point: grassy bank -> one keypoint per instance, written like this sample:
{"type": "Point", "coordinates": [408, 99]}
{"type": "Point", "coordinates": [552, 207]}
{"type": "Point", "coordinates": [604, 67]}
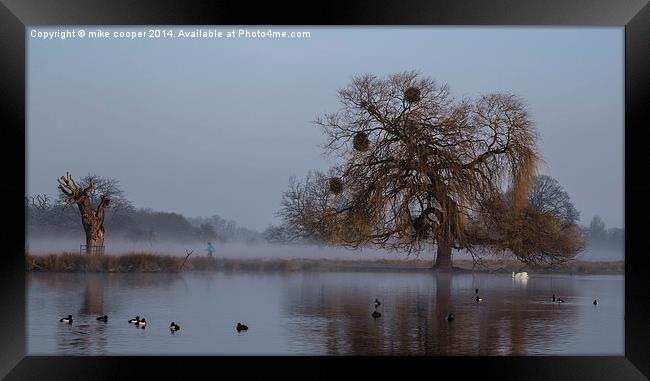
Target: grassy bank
{"type": "Point", "coordinates": [155, 263]}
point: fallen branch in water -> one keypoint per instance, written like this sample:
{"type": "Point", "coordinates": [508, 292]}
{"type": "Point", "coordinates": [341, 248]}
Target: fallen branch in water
{"type": "Point", "coordinates": [188, 255]}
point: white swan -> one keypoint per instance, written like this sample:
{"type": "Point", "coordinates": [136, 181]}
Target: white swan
{"type": "Point", "coordinates": [522, 275]}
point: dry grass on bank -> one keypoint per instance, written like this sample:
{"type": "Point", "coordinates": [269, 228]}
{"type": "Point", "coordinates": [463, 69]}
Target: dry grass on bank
{"type": "Point", "coordinates": [156, 263]}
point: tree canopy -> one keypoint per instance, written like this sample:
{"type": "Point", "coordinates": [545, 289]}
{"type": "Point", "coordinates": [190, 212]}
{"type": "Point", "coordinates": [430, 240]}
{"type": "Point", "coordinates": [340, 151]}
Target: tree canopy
{"type": "Point", "coordinates": [417, 167]}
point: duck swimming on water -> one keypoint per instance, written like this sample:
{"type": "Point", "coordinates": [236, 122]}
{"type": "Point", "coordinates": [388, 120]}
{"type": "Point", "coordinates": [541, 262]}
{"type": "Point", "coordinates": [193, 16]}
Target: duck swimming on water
{"type": "Point", "coordinates": [241, 327]}
{"type": "Point", "coordinates": [142, 323]}
{"type": "Point", "coordinates": [103, 318]}
{"type": "Point", "coordinates": [450, 317]}
{"type": "Point", "coordinates": [135, 320]}
{"type": "Point", "coordinates": [479, 299]}
{"type": "Point", "coordinates": [67, 320]}
{"type": "Point", "coordinates": [376, 314]}
{"type": "Point", "coordinates": [174, 327]}
{"type": "Point", "coordinates": [377, 303]}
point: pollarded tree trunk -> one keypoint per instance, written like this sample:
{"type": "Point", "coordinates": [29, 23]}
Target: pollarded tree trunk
{"type": "Point", "coordinates": [93, 223]}
{"type": "Point", "coordinates": [443, 257]}
{"type": "Point", "coordinates": [92, 218]}
{"type": "Point", "coordinates": [94, 235]}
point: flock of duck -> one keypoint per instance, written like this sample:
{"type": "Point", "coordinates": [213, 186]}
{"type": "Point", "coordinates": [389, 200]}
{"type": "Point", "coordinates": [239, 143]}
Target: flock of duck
{"type": "Point", "coordinates": [142, 323]}
{"type": "Point", "coordinates": [173, 327]}
{"type": "Point", "coordinates": [450, 317]}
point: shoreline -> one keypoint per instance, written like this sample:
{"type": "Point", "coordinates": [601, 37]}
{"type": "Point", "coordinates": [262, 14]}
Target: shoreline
{"type": "Point", "coordinates": [144, 262]}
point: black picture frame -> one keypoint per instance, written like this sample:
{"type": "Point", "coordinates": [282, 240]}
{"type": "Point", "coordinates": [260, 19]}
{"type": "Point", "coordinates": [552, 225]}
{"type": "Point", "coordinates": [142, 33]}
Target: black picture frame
{"type": "Point", "coordinates": [16, 15]}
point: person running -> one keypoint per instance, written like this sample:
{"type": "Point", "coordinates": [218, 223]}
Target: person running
{"type": "Point", "coordinates": [210, 249]}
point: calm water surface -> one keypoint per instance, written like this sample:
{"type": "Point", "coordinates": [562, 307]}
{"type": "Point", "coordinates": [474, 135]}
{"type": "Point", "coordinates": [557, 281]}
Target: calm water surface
{"type": "Point", "coordinates": [325, 314]}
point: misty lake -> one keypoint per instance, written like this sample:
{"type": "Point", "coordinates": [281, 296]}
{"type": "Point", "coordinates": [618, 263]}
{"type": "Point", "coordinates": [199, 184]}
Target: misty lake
{"type": "Point", "coordinates": [327, 313]}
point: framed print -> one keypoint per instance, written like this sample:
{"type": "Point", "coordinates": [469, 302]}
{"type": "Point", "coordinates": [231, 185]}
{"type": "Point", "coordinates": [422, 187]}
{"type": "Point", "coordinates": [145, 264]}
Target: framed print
{"type": "Point", "coordinates": [379, 187]}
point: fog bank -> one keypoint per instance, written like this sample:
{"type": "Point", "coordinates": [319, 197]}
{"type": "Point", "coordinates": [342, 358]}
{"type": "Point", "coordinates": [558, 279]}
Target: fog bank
{"type": "Point", "coordinates": [41, 246]}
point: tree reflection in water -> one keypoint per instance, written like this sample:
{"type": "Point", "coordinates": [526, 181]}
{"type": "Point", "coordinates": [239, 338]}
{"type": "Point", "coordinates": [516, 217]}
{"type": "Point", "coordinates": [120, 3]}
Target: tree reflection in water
{"type": "Point", "coordinates": [86, 335]}
{"type": "Point", "coordinates": [335, 315]}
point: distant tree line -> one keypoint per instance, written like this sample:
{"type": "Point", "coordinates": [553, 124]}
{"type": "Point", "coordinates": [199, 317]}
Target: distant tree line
{"type": "Point", "coordinates": [598, 236]}
{"type": "Point", "coordinates": [286, 233]}
{"type": "Point", "coordinates": [227, 230]}
{"type": "Point", "coordinates": [49, 216]}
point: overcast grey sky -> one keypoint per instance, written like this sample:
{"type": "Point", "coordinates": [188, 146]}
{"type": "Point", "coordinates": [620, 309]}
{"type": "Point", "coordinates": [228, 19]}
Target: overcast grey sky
{"type": "Point", "coordinates": [217, 126]}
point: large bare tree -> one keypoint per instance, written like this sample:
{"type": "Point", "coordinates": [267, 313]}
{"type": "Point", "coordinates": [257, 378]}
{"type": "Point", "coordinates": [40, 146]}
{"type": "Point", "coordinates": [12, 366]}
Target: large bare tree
{"type": "Point", "coordinates": [418, 168]}
{"type": "Point", "coordinates": [92, 217]}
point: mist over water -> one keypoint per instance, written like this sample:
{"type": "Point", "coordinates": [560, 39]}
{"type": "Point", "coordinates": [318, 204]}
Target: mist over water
{"type": "Point", "coordinates": [241, 250]}
{"type": "Point", "coordinates": [263, 250]}
{"type": "Point", "coordinates": [601, 254]}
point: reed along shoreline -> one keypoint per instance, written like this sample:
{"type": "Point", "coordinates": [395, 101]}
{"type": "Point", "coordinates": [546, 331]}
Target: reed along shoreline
{"type": "Point", "coordinates": [145, 262]}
